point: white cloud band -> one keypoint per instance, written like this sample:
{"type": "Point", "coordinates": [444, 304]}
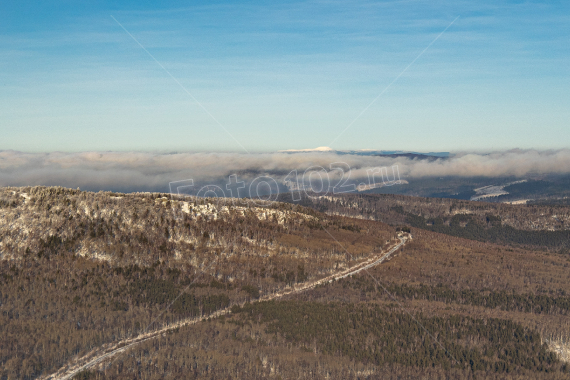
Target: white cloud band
{"type": "Point", "coordinates": [138, 171]}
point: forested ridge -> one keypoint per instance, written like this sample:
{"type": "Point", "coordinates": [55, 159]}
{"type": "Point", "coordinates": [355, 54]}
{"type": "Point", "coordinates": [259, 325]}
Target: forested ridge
{"type": "Point", "coordinates": [80, 270]}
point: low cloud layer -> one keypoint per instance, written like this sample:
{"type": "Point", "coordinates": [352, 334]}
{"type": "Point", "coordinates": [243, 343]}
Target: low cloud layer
{"type": "Point", "coordinates": [135, 171]}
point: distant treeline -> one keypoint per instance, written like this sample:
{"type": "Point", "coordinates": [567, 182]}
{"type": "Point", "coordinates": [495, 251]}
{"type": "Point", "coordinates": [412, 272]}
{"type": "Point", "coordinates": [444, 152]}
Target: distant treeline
{"type": "Point", "coordinates": [467, 227]}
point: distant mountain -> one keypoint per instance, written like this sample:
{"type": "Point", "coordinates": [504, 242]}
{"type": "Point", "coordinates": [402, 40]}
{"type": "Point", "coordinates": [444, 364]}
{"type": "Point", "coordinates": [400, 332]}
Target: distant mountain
{"type": "Point", "coordinates": [418, 156]}
{"type": "Point", "coordinates": [319, 149]}
{"type": "Point", "coordinates": [372, 152]}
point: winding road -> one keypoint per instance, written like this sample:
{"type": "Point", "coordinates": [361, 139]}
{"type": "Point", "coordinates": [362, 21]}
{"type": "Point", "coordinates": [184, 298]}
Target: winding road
{"type": "Point", "coordinates": [107, 351]}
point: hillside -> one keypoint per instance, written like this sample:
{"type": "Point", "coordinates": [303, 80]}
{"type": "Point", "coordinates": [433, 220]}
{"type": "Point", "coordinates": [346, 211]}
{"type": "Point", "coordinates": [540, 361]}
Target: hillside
{"type": "Point", "coordinates": [105, 265]}
{"type": "Point", "coordinates": [93, 273]}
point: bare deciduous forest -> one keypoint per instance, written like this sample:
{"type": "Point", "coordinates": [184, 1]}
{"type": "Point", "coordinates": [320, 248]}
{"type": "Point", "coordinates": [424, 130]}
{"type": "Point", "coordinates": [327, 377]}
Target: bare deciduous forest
{"type": "Point", "coordinates": [81, 270]}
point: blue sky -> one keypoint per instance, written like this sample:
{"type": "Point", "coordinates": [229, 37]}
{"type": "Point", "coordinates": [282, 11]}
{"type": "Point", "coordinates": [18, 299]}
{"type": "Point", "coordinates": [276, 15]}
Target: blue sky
{"type": "Point", "coordinates": [283, 76]}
